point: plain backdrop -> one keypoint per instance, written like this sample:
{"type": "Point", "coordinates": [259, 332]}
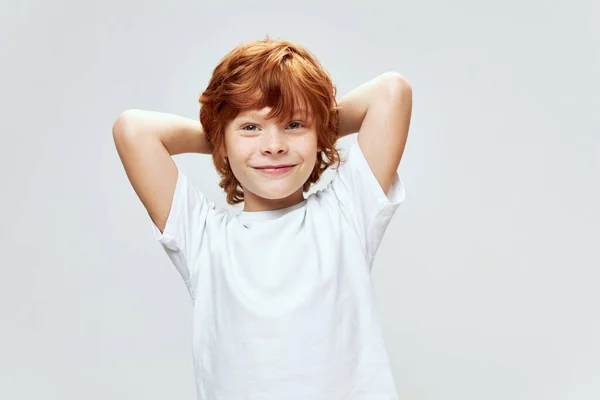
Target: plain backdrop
{"type": "Point", "coordinates": [487, 279]}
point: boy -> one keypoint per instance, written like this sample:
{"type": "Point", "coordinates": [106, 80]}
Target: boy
{"type": "Point", "coordinates": [283, 301]}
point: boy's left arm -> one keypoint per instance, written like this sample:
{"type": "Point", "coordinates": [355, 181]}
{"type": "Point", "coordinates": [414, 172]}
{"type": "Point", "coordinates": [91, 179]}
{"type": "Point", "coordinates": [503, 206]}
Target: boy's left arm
{"type": "Point", "coordinates": [380, 110]}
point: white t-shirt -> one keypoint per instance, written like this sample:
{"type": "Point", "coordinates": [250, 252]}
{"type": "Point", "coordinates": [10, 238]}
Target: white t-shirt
{"type": "Point", "coordinates": [283, 299]}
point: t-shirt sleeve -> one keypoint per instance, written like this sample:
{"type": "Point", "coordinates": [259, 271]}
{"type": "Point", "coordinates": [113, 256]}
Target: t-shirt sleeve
{"type": "Point", "coordinates": [362, 200]}
{"type": "Point", "coordinates": [182, 238]}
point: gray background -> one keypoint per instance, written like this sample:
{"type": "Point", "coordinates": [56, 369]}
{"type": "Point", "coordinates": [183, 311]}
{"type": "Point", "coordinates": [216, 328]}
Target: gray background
{"type": "Point", "coordinates": [487, 278]}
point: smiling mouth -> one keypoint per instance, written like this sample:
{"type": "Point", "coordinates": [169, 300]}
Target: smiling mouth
{"type": "Point", "coordinates": [275, 171]}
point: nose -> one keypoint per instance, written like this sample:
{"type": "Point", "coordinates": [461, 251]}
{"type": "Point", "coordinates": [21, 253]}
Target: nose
{"type": "Point", "coordinates": [275, 142]}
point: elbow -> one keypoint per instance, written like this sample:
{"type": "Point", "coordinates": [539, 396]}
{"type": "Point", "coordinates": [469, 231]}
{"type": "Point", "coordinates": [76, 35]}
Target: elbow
{"type": "Point", "coordinates": [395, 78]}
{"type": "Point", "coordinates": [118, 128]}
{"type": "Point", "coordinates": [396, 84]}
{"type": "Point", "coordinates": [122, 124]}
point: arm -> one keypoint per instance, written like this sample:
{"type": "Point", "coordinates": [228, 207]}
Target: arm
{"type": "Point", "coordinates": [145, 141]}
{"type": "Point", "coordinates": [178, 134]}
{"type": "Point", "coordinates": [380, 110]}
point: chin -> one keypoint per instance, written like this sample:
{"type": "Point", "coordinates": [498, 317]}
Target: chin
{"type": "Point", "coordinates": [274, 190]}
{"type": "Point", "coordinates": [275, 194]}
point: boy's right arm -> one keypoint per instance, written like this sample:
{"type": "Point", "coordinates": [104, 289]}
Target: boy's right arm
{"type": "Point", "coordinates": [145, 141]}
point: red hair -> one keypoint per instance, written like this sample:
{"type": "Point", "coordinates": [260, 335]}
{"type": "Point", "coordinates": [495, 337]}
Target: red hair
{"type": "Point", "coordinates": [276, 74]}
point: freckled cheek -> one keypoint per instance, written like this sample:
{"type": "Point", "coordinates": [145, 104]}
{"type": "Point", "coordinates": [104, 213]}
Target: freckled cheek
{"type": "Point", "coordinates": [305, 142]}
{"type": "Point", "coordinates": [240, 153]}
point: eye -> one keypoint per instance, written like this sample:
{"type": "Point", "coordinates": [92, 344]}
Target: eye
{"type": "Point", "coordinates": [297, 122]}
{"type": "Point", "coordinates": [250, 125]}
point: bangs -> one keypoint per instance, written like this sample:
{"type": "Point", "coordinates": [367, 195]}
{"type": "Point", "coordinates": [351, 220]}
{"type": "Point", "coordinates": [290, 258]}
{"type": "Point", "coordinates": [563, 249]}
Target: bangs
{"type": "Point", "coordinates": [287, 90]}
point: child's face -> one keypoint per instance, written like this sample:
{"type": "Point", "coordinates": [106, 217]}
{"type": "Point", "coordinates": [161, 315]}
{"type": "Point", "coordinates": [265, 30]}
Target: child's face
{"type": "Point", "coordinates": [252, 142]}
